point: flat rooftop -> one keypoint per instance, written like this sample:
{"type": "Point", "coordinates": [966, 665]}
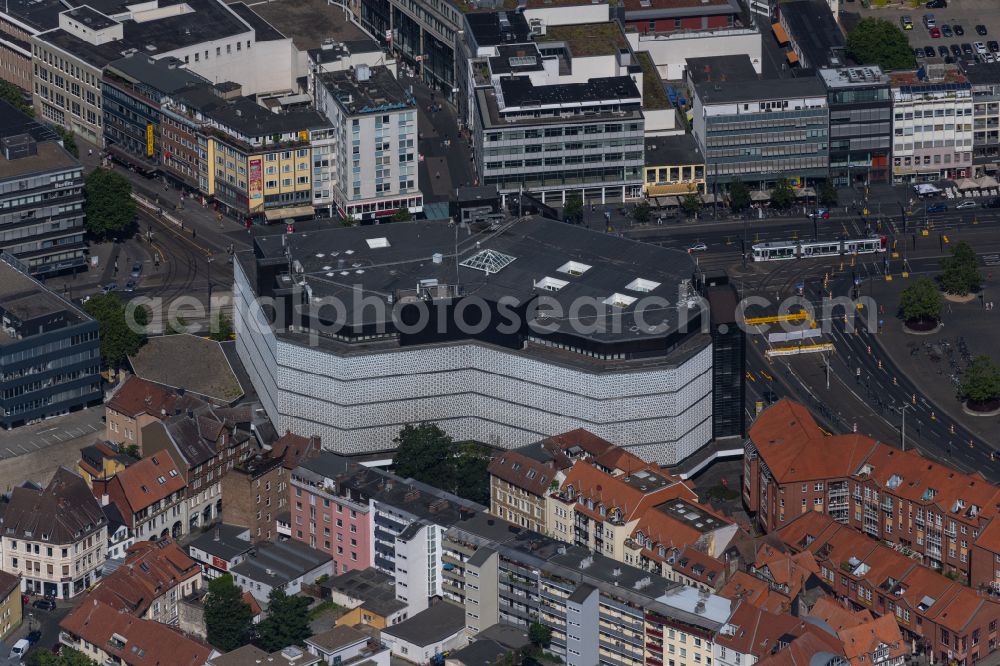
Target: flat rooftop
{"type": "Point", "coordinates": [167, 360]}
{"type": "Point", "coordinates": [379, 93]}
{"type": "Point", "coordinates": [308, 22]}
{"type": "Point", "coordinates": [721, 68]}
{"type": "Point", "coordinates": [586, 39]}
{"type": "Point", "coordinates": [524, 260]}
{"type": "Point", "coordinates": [264, 31]}
{"type": "Point", "coordinates": [91, 18]}
{"type": "Point", "coordinates": [245, 116]}
{"type": "Point", "coordinates": [868, 76]}
{"type": "Point", "coordinates": [673, 150]}
{"type": "Point", "coordinates": [280, 562]}
{"type": "Point", "coordinates": [690, 514]}
{"type": "Point", "coordinates": [814, 30]}
{"type": "Point", "coordinates": [519, 91]}
{"type": "Point", "coordinates": [24, 298]}
{"type": "Point", "coordinates": [494, 28]}
{"type": "Point", "coordinates": [636, 10]}
{"type": "Point", "coordinates": [166, 74]}
{"type": "Point", "coordinates": [724, 92]}
{"type": "Point", "coordinates": [51, 157]}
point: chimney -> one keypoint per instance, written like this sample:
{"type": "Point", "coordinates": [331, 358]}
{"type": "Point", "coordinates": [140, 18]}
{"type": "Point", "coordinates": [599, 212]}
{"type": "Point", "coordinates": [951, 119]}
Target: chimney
{"type": "Point", "coordinates": [105, 499]}
{"type": "Point", "coordinates": [218, 530]}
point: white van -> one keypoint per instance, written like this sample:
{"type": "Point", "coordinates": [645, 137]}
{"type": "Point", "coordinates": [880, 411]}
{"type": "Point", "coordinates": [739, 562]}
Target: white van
{"type": "Point", "coordinates": [20, 647]}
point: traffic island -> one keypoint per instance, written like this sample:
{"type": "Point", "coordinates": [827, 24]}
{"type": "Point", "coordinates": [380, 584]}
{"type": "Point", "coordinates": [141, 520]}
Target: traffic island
{"type": "Point", "coordinates": [922, 326]}
{"type": "Point", "coordinates": [988, 408]}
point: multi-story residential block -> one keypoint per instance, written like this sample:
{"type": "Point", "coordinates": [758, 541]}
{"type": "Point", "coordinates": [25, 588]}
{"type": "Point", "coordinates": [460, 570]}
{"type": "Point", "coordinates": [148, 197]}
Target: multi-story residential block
{"type": "Point", "coordinates": [19, 20]}
{"type": "Point", "coordinates": [205, 444]}
{"type": "Point", "coordinates": [860, 124]}
{"type": "Point", "coordinates": [10, 604]}
{"type": "Point", "coordinates": [150, 497]}
{"type": "Point", "coordinates": [374, 160]}
{"type": "Point", "coordinates": [326, 521]}
{"type": "Point", "coordinates": [926, 509]}
{"type": "Point", "coordinates": [256, 491]}
{"type": "Point", "coordinates": [54, 538]}
{"type": "Point", "coordinates": [521, 479]}
{"type": "Point", "coordinates": [938, 615]}
{"type": "Point", "coordinates": [102, 460]}
{"type": "Point", "coordinates": [108, 636]}
{"type": "Point", "coordinates": [407, 520]}
{"type": "Point", "coordinates": [151, 582]}
{"type": "Point", "coordinates": [49, 350]}
{"type": "Point", "coordinates": [599, 610]}
{"type": "Point", "coordinates": [255, 162]}
{"type": "Point", "coordinates": [761, 130]}
{"type": "Point", "coordinates": [985, 81]}
{"type": "Point", "coordinates": [209, 37]}
{"type": "Point", "coordinates": [932, 125]}
{"type": "Point", "coordinates": [136, 403]}
{"type": "Point", "coordinates": [133, 89]}
{"type": "Point", "coordinates": [543, 379]}
{"type": "Point", "coordinates": [41, 196]}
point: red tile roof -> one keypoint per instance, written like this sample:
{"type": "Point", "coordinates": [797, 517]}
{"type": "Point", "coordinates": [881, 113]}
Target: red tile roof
{"type": "Point", "coordinates": [138, 396]}
{"type": "Point", "coordinates": [523, 472]}
{"type": "Point", "coordinates": [252, 603]}
{"type": "Point", "coordinates": [752, 630]}
{"type": "Point", "coordinates": [148, 481]}
{"type": "Point", "coordinates": [614, 492]}
{"type": "Point", "coordinates": [837, 616]}
{"type": "Point", "coordinates": [802, 651]}
{"type": "Point", "coordinates": [291, 448]}
{"type": "Point", "coordinates": [146, 643]}
{"type": "Point", "coordinates": [700, 567]}
{"type": "Point", "coordinates": [151, 569]}
{"type": "Point", "coordinates": [861, 642]}
{"type": "Point", "coordinates": [754, 591]}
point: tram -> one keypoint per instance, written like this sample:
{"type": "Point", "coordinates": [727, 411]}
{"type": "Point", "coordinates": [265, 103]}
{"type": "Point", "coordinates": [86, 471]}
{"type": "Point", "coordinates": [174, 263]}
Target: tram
{"type": "Point", "coordinates": [780, 250]}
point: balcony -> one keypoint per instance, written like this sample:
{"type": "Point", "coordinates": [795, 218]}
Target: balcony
{"type": "Point", "coordinates": [652, 631]}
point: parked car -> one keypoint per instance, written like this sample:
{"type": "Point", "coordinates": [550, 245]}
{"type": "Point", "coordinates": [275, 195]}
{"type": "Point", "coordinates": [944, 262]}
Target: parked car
{"type": "Point", "coordinates": [130, 286]}
{"type": "Point", "coordinates": [943, 51]}
{"type": "Point", "coordinates": [109, 287]}
{"type": "Point", "coordinates": [967, 48]}
{"type": "Point", "coordinates": [993, 46]}
{"type": "Point", "coordinates": [136, 269]}
{"type": "Point", "coordinates": [958, 30]}
{"type": "Point", "coordinates": [937, 208]}
{"type": "Point", "coordinates": [981, 30]}
{"type": "Point", "coordinates": [821, 213]}
{"type": "Point", "coordinates": [918, 52]}
{"type": "Point", "coordinates": [698, 247]}
{"type": "Point", "coordinates": [966, 205]}
{"type": "Point", "coordinates": [929, 51]}
{"type": "Point", "coordinates": [988, 57]}
{"type": "Point", "coordinates": [980, 47]}
{"type": "Point", "coordinates": [44, 604]}
{"type": "Point", "coordinates": [34, 636]}
{"type": "Point", "coordinates": [956, 50]}
{"type": "Point", "coordinates": [19, 649]}
{"type": "Point", "coordinates": [906, 22]}
{"type": "Point", "coordinates": [936, 4]}
{"type": "Point", "coordinates": [929, 21]}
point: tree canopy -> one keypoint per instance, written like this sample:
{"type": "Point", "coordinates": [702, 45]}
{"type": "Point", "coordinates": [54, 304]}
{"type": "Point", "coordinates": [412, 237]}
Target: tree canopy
{"type": "Point", "coordinates": [981, 380]}
{"type": "Point", "coordinates": [228, 619]}
{"type": "Point", "coordinates": [119, 338]}
{"type": "Point", "coordinates": [641, 213]}
{"type": "Point", "coordinates": [287, 621]}
{"type": "Point", "coordinates": [783, 194]}
{"type": "Point", "coordinates": [68, 139]}
{"type": "Point", "coordinates": [828, 193]}
{"type": "Point", "coordinates": [427, 453]}
{"type": "Point", "coordinates": [691, 203]}
{"type": "Point", "coordinates": [66, 657]}
{"type": "Point", "coordinates": [875, 41]}
{"type": "Point", "coordinates": [539, 634]}
{"type": "Point", "coordinates": [573, 210]}
{"type": "Point", "coordinates": [960, 272]}
{"type": "Point", "coordinates": [402, 215]}
{"type": "Point", "coordinates": [15, 97]}
{"type": "Point", "coordinates": [920, 301]}
{"type": "Point", "coordinates": [739, 196]}
{"type": "Point", "coordinates": [108, 204]}
{"type": "Point", "coordinates": [223, 331]}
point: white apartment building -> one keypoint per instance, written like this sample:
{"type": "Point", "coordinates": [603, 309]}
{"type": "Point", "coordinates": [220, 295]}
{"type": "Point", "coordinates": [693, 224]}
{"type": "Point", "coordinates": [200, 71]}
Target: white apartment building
{"type": "Point", "coordinates": [932, 125]}
{"type": "Point", "coordinates": [373, 167]}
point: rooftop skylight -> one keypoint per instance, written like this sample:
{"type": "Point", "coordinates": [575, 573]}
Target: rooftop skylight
{"type": "Point", "coordinates": [488, 261]}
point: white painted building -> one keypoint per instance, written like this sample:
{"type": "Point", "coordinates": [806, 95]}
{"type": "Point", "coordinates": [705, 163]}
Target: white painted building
{"type": "Point", "coordinates": [670, 50]}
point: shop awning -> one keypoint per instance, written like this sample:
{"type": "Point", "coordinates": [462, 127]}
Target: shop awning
{"type": "Point", "coordinates": [805, 193]}
{"type": "Point", "coordinates": [793, 58]}
{"type": "Point", "coordinates": [760, 195]}
{"type": "Point", "coordinates": [779, 33]}
{"type": "Point", "coordinates": [668, 189]}
{"type": "Point", "coordinates": [287, 213]}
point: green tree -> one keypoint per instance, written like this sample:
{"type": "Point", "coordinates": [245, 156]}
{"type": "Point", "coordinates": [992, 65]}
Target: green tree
{"type": "Point", "coordinates": [15, 97]}
{"type": "Point", "coordinates": [223, 331]}
{"type": "Point", "coordinates": [640, 213]}
{"type": "Point", "coordinates": [428, 454]}
{"type": "Point", "coordinates": [739, 196]}
{"type": "Point", "coordinates": [228, 619]}
{"type": "Point", "coordinates": [960, 272]}
{"type": "Point", "coordinates": [981, 380]}
{"type": "Point", "coordinates": [119, 337]}
{"type": "Point", "coordinates": [402, 215]}
{"type": "Point", "coordinates": [875, 41]}
{"type": "Point", "coordinates": [132, 450]}
{"type": "Point", "coordinates": [348, 220]}
{"type": "Point", "coordinates": [108, 204]}
{"type": "Point", "coordinates": [178, 325]}
{"type": "Point", "coordinates": [66, 657]}
{"type": "Point", "coordinates": [920, 301]}
{"type": "Point", "coordinates": [539, 634]}
{"type": "Point", "coordinates": [287, 621]}
{"type": "Point", "coordinates": [828, 193]}
{"type": "Point", "coordinates": [783, 194]}
{"type": "Point", "coordinates": [573, 209]}
{"type": "Point", "coordinates": [68, 139]}
{"type": "Point", "coordinates": [691, 203]}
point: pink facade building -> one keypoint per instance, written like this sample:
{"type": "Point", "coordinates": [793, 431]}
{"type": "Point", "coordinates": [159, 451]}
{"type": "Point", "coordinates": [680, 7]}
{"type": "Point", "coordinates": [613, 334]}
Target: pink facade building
{"type": "Point", "coordinates": [319, 518]}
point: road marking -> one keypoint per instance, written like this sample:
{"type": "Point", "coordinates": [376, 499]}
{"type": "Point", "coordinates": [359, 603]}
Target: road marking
{"type": "Point", "coordinates": [35, 444]}
{"type": "Point", "coordinates": [23, 449]}
{"type": "Point", "coordinates": [48, 430]}
{"type": "Point", "coordinates": [58, 438]}
{"type": "Point", "coordinates": [11, 451]}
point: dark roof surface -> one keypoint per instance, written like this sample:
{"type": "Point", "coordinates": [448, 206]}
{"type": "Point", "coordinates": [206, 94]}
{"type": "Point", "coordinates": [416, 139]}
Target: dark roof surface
{"type": "Point", "coordinates": [671, 150]}
{"type": "Point", "coordinates": [430, 626]}
{"type": "Point", "coordinates": [379, 93]}
{"type": "Point", "coordinates": [520, 91]}
{"type": "Point", "coordinates": [493, 28]}
{"type": "Point", "coordinates": [721, 68]}
{"type": "Point", "coordinates": [376, 589]}
{"type": "Point", "coordinates": [264, 31]}
{"type": "Point", "coordinates": [164, 75]}
{"type": "Point", "coordinates": [716, 92]}
{"type": "Point", "coordinates": [814, 30]}
{"type": "Point", "coordinates": [285, 560]}
{"type": "Point", "coordinates": [223, 541]}
{"type": "Point", "coordinates": [63, 513]}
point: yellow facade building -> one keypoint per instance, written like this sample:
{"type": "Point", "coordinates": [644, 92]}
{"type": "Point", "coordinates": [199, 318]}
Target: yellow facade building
{"type": "Point", "coordinates": [674, 166]}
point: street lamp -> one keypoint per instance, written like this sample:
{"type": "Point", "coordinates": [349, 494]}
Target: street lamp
{"type": "Point", "coordinates": [902, 428]}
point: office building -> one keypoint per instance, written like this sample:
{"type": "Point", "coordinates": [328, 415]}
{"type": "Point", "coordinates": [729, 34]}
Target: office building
{"type": "Point", "coordinates": [932, 121]}
{"type": "Point", "coordinates": [207, 36]}
{"type": "Point", "coordinates": [647, 387]}
{"type": "Point", "coordinates": [860, 124]}
{"type": "Point", "coordinates": [55, 538]}
{"type": "Point", "coordinates": [49, 351]}
{"type": "Point", "coordinates": [41, 197]}
{"type": "Point", "coordinates": [481, 34]}
{"type": "Point", "coordinates": [762, 131]}
{"type": "Point", "coordinates": [813, 33]}
{"type": "Point", "coordinates": [373, 166]}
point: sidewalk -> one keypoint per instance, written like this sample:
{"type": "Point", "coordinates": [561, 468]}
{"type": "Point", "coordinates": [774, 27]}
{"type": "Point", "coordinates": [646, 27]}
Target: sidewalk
{"type": "Point", "coordinates": [927, 359]}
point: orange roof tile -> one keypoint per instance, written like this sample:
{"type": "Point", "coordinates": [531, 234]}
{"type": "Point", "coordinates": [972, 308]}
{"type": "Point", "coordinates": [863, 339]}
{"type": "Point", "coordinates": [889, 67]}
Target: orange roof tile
{"type": "Point", "coordinates": [523, 472]}
{"type": "Point", "coordinates": [862, 641]}
{"type": "Point", "coordinates": [149, 480]}
{"type": "Point", "coordinates": [753, 630]}
{"type": "Point", "coordinates": [138, 396]}
{"type": "Point", "coordinates": [837, 616]}
{"type": "Point", "coordinates": [802, 650]}
{"type": "Point", "coordinates": [699, 566]}
{"type": "Point", "coordinates": [754, 591]}
{"type": "Point", "coordinates": [147, 643]}
{"type": "Point", "coordinates": [585, 439]}
{"type": "Point", "coordinates": [252, 603]}
{"type": "Point", "coordinates": [989, 536]}
{"type": "Point", "coordinates": [615, 492]}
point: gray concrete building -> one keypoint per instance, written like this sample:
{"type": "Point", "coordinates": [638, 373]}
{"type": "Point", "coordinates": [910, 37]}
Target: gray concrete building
{"type": "Point", "coordinates": [860, 124]}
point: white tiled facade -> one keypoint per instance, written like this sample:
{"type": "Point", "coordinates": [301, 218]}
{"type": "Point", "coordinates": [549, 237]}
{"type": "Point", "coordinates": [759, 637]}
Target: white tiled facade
{"type": "Point", "coordinates": [358, 403]}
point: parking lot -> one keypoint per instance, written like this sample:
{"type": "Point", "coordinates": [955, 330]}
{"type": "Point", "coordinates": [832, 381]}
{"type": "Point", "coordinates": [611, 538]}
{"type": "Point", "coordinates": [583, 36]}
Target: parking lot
{"type": "Point", "coordinates": [966, 14]}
